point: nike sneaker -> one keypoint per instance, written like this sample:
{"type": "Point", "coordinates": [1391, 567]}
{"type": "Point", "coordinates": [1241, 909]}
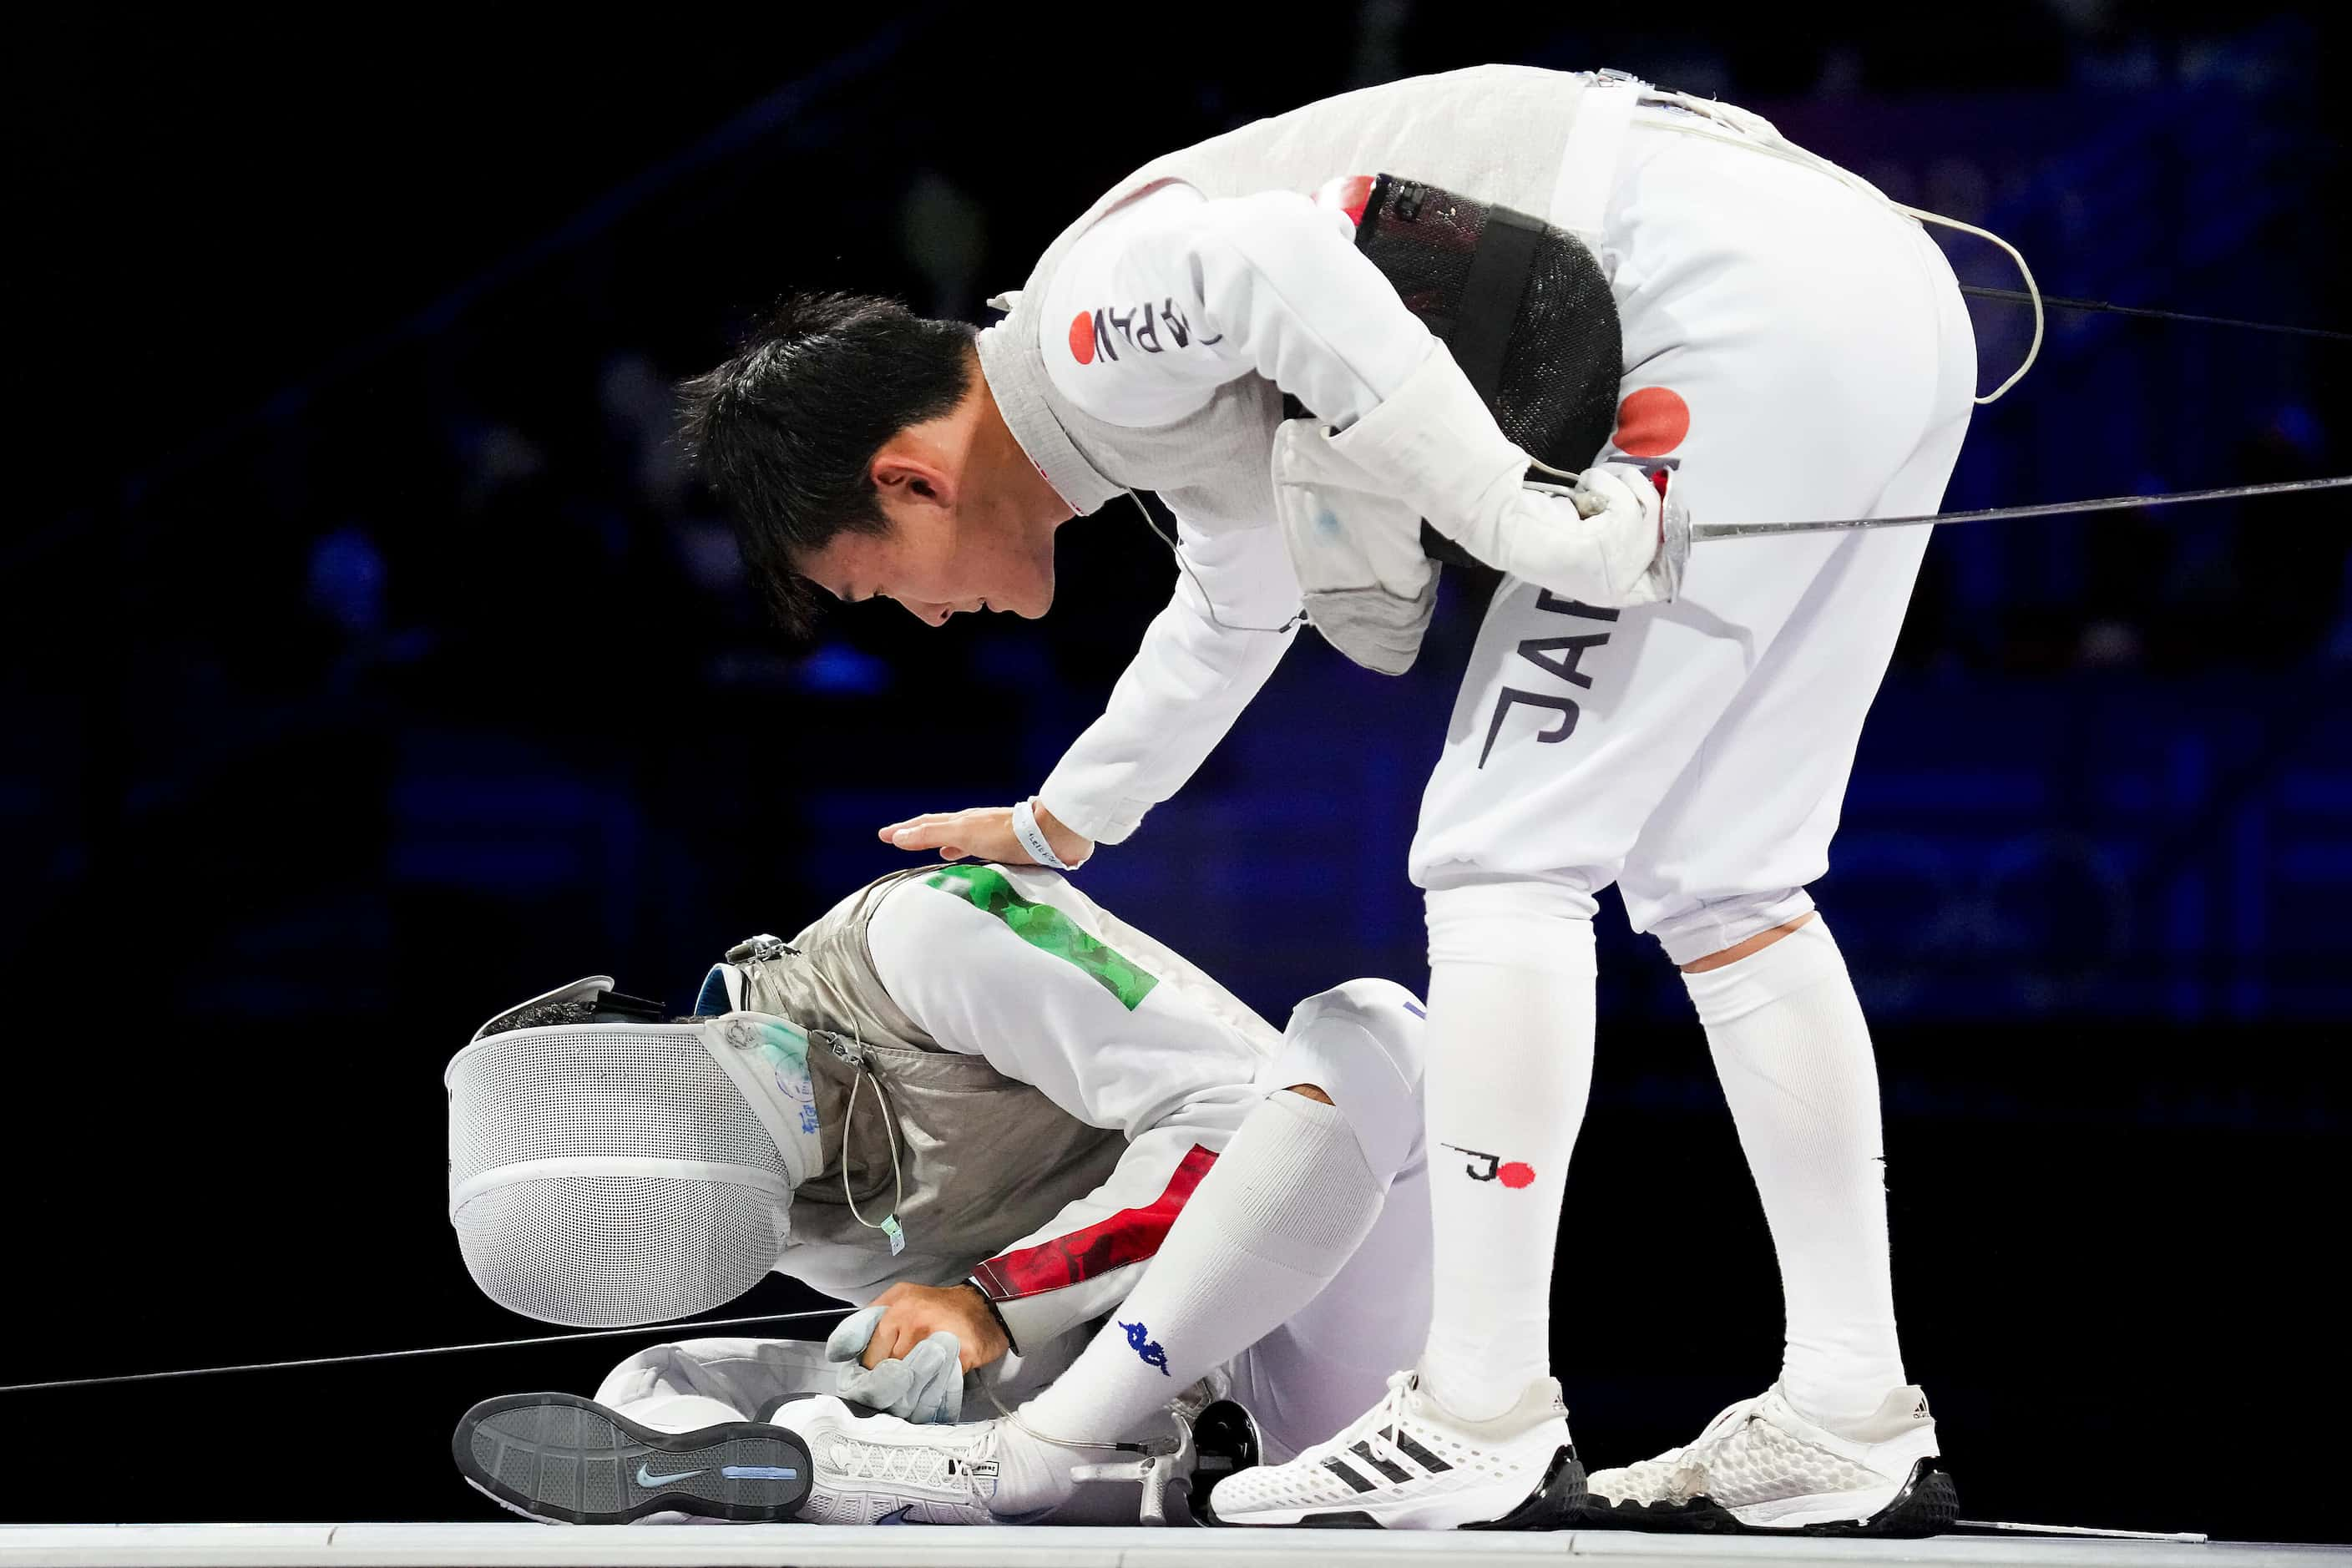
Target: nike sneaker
{"type": "Point", "coordinates": [1411, 1464]}
{"type": "Point", "coordinates": [821, 1460]}
{"type": "Point", "coordinates": [1762, 1468]}
{"type": "Point", "coordinates": [565, 1460]}
{"type": "Point", "coordinates": [872, 1468]}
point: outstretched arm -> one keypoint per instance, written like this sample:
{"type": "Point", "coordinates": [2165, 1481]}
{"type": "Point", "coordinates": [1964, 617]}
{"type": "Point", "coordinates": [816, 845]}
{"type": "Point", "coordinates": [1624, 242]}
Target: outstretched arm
{"type": "Point", "coordinates": [1158, 306]}
{"type": "Point", "coordinates": [1233, 616]}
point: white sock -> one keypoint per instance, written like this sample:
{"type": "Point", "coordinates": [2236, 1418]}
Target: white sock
{"type": "Point", "coordinates": [1794, 1055]}
{"type": "Point", "coordinates": [1510, 1065]}
{"type": "Point", "coordinates": [1276, 1216]}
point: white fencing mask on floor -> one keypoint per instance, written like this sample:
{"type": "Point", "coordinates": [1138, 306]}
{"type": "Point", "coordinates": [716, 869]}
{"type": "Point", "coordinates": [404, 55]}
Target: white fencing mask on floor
{"type": "Point", "coordinates": [607, 1168]}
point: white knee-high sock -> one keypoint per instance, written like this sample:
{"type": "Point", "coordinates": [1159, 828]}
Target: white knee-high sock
{"type": "Point", "coordinates": [1276, 1216]}
{"type": "Point", "coordinates": [1510, 1067]}
{"type": "Point", "coordinates": [1794, 1056]}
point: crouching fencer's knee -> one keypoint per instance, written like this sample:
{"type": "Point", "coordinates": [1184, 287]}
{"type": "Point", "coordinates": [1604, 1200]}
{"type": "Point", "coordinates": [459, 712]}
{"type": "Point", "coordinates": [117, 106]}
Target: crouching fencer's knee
{"type": "Point", "coordinates": [1360, 1044]}
{"type": "Point", "coordinates": [1705, 927]}
{"type": "Point", "coordinates": [688, 1383]}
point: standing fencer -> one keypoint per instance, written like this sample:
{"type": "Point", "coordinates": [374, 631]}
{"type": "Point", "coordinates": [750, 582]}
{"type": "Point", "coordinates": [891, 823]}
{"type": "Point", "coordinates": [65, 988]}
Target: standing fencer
{"type": "Point", "coordinates": [1792, 346]}
{"type": "Point", "coordinates": [1067, 1170]}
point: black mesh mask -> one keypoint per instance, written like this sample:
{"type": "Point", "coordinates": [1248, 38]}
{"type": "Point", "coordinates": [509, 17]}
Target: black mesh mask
{"type": "Point", "coordinates": [1522, 306]}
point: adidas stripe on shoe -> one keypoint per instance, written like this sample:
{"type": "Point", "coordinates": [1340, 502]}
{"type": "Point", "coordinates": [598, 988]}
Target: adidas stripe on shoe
{"type": "Point", "coordinates": [1410, 1464]}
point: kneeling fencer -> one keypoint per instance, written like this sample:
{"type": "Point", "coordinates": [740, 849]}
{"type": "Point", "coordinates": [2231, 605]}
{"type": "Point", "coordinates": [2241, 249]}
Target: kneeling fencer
{"type": "Point", "coordinates": [1331, 390]}
{"type": "Point", "coordinates": [1063, 1170]}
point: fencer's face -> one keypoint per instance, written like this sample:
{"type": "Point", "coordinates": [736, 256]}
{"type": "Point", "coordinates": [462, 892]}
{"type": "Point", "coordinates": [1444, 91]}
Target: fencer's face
{"type": "Point", "coordinates": [956, 545]}
{"type": "Point", "coordinates": [935, 566]}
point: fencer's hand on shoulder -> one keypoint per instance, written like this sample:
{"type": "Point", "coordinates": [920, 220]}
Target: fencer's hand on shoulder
{"type": "Point", "coordinates": [984, 833]}
{"type": "Point", "coordinates": [911, 1314]}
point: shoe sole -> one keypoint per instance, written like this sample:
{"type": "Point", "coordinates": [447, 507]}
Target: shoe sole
{"type": "Point", "coordinates": [1557, 1503]}
{"type": "Point", "coordinates": [568, 1460]}
{"type": "Point", "coordinates": [1927, 1503]}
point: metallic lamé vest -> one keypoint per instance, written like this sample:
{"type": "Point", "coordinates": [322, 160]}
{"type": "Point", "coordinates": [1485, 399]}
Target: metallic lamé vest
{"type": "Point", "coordinates": [983, 1160]}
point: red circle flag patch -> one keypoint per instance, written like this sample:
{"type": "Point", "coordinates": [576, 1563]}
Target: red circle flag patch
{"type": "Point", "coordinates": [1515, 1174]}
{"type": "Point", "coordinates": [1082, 338]}
{"type": "Point", "coordinates": [1652, 422]}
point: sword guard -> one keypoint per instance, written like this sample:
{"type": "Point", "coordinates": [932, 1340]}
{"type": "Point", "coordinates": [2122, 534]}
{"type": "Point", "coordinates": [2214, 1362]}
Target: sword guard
{"type": "Point", "coordinates": [1214, 1443]}
{"type": "Point", "coordinates": [1163, 1464]}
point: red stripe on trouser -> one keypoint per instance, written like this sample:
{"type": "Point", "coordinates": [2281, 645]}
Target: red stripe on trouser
{"type": "Point", "coordinates": [1130, 1235]}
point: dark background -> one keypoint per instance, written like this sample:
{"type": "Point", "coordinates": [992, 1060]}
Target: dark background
{"type": "Point", "coordinates": [370, 665]}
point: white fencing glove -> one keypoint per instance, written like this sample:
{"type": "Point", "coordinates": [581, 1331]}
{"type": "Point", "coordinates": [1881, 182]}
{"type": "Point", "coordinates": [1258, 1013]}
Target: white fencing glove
{"type": "Point", "coordinates": [1641, 503]}
{"type": "Point", "coordinates": [926, 1385]}
{"type": "Point", "coordinates": [1433, 445]}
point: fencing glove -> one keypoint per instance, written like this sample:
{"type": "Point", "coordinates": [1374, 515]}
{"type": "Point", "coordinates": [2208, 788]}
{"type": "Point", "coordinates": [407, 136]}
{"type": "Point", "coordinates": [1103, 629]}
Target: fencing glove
{"type": "Point", "coordinates": [926, 1385]}
{"type": "Point", "coordinates": [1433, 445]}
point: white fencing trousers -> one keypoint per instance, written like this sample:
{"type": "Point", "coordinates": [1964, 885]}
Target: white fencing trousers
{"type": "Point", "coordinates": [1794, 349]}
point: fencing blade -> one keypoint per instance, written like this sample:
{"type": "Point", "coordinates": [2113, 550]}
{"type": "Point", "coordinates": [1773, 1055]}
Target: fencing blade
{"type": "Point", "coordinates": [2003, 1527]}
{"type": "Point", "coordinates": [1704, 532]}
{"type": "Point", "coordinates": [692, 1326]}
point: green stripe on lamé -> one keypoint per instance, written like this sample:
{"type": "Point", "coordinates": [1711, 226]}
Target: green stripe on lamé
{"type": "Point", "coordinates": [1047, 928]}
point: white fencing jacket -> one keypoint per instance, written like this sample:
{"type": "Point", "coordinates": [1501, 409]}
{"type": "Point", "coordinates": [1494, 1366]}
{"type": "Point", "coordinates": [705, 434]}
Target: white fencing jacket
{"type": "Point", "coordinates": [1152, 343]}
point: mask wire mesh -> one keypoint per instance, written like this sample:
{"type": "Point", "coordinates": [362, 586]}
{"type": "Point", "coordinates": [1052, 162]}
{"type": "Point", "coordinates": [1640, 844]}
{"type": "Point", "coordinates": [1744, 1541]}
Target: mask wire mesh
{"type": "Point", "coordinates": [659, 1231]}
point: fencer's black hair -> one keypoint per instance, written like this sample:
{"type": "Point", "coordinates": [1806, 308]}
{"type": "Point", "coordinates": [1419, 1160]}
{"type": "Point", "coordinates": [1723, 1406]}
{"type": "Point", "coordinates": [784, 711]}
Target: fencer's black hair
{"type": "Point", "coordinates": [784, 432]}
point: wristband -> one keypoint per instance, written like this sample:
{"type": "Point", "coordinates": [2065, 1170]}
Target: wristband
{"type": "Point", "coordinates": [1033, 837]}
{"type": "Point", "coordinates": [989, 1301]}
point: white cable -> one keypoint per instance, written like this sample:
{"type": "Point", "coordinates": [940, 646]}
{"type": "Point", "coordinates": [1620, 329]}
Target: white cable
{"type": "Point", "coordinates": [1185, 566]}
{"type": "Point", "coordinates": [2033, 351]}
{"type": "Point", "coordinates": [888, 1224]}
{"type": "Point", "coordinates": [1013, 1417]}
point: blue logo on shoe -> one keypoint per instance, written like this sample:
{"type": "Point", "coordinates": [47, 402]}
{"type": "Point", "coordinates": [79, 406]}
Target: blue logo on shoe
{"type": "Point", "coordinates": [1139, 1340]}
{"type": "Point", "coordinates": [647, 1478]}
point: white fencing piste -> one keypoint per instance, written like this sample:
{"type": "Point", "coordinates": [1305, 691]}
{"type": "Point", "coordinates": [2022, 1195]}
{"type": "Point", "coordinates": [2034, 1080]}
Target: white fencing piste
{"type": "Point", "coordinates": [521, 1545]}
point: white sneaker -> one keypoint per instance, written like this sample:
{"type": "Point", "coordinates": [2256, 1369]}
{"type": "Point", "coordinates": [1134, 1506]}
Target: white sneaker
{"type": "Point", "coordinates": [1410, 1464]}
{"type": "Point", "coordinates": [867, 1468]}
{"type": "Point", "coordinates": [1761, 1466]}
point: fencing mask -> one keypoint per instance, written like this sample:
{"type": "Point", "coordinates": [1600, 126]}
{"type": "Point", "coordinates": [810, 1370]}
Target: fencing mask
{"type": "Point", "coordinates": [609, 1168]}
{"type": "Point", "coordinates": [1525, 312]}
